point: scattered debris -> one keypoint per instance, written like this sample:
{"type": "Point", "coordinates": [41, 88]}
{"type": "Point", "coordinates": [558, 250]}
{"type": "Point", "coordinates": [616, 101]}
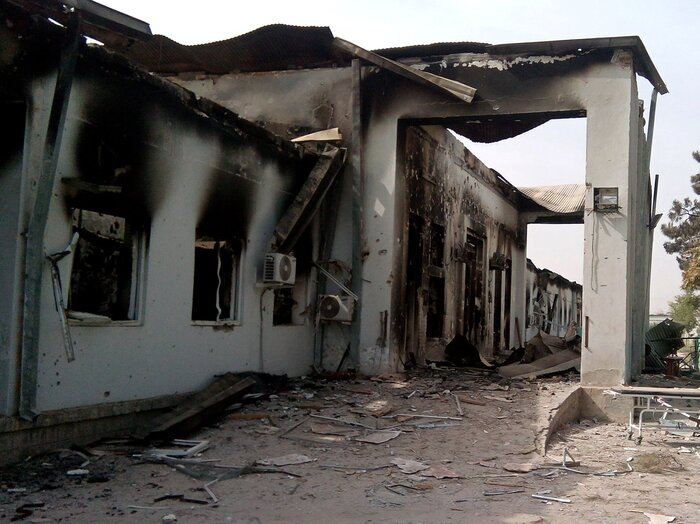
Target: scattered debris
{"type": "Point", "coordinates": [77, 472]}
{"type": "Point", "coordinates": [469, 400]}
{"type": "Point", "coordinates": [460, 352]}
{"type": "Point", "coordinates": [378, 437]}
{"type": "Point", "coordinates": [182, 498]}
{"type": "Point", "coordinates": [459, 407]}
{"type": "Point", "coordinates": [556, 363]}
{"type": "Point", "coordinates": [504, 492]}
{"type": "Point", "coordinates": [500, 399]}
{"type": "Point", "coordinates": [409, 466]}
{"type": "Point", "coordinates": [321, 428]}
{"type": "Point", "coordinates": [341, 421]}
{"type": "Point", "coordinates": [440, 472]}
{"type": "Point", "coordinates": [655, 518]}
{"type": "Point", "coordinates": [192, 447]}
{"type": "Point", "coordinates": [521, 468]}
{"type": "Point", "coordinates": [551, 499]}
{"type": "Point", "coordinates": [377, 408]}
{"type": "Point", "coordinates": [286, 460]}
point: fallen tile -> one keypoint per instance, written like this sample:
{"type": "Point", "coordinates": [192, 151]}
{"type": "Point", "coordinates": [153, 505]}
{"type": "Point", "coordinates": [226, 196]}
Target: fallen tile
{"type": "Point", "coordinates": [409, 466]}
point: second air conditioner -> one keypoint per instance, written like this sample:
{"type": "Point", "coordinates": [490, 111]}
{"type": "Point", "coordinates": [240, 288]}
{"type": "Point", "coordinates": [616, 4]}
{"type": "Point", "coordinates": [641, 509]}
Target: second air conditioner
{"type": "Point", "coordinates": [337, 308]}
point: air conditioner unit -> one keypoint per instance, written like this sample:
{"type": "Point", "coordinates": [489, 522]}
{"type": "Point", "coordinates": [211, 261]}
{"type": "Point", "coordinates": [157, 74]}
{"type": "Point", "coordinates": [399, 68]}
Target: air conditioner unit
{"type": "Point", "coordinates": [279, 268]}
{"type": "Point", "coordinates": [336, 308]}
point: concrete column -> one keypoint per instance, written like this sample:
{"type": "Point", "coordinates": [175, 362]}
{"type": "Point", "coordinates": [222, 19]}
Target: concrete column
{"type": "Point", "coordinates": [611, 161]}
{"type": "Point", "coordinates": [381, 248]}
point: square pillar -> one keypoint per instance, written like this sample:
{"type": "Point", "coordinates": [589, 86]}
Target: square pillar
{"type": "Point", "coordinates": [609, 286]}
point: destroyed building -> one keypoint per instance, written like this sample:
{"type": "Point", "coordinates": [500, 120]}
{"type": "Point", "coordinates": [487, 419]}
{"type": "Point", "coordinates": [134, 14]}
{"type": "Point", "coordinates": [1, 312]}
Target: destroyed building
{"type": "Point", "coordinates": [162, 227]}
{"type": "Point", "coordinates": [553, 302]}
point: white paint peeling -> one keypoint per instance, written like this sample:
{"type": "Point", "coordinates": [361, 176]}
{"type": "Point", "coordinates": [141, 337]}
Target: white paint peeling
{"type": "Point", "coordinates": [486, 61]}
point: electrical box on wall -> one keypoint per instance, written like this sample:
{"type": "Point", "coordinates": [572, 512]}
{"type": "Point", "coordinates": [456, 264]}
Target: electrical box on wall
{"type": "Point", "coordinates": [605, 199]}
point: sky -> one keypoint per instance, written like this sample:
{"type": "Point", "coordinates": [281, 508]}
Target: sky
{"type": "Point", "coordinates": [670, 32]}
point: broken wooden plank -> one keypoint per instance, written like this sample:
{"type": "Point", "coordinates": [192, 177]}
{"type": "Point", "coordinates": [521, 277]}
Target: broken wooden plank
{"type": "Point", "coordinates": [453, 88]}
{"type": "Point", "coordinates": [307, 202]}
{"type": "Point", "coordinates": [193, 411]}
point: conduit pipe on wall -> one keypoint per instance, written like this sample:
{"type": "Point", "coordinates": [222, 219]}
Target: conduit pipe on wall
{"type": "Point", "coordinates": [34, 255]}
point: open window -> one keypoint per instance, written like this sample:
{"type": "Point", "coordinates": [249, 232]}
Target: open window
{"type": "Point", "coordinates": [217, 274]}
{"type": "Point", "coordinates": [106, 272]}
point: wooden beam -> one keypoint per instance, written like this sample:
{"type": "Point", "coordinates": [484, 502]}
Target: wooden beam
{"type": "Point", "coordinates": [452, 88]}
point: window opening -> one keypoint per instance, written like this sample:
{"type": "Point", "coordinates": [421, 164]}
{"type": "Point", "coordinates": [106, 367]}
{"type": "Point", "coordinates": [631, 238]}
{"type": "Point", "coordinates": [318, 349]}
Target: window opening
{"type": "Point", "coordinates": [105, 272]}
{"type": "Point", "coordinates": [216, 280]}
{"type": "Point", "coordinates": [474, 277]}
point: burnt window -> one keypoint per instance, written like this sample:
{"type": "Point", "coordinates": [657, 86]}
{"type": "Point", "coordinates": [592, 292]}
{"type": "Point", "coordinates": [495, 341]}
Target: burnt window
{"type": "Point", "coordinates": [106, 266]}
{"type": "Point", "coordinates": [217, 270]}
{"type": "Point", "coordinates": [436, 307]}
{"type": "Point", "coordinates": [473, 288]}
{"type": "Point", "coordinates": [437, 245]}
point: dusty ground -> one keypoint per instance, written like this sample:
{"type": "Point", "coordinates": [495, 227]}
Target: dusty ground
{"type": "Point", "coordinates": [352, 481]}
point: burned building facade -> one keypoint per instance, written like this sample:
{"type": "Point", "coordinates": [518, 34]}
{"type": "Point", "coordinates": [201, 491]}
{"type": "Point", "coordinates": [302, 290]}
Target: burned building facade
{"type": "Point", "coordinates": [159, 179]}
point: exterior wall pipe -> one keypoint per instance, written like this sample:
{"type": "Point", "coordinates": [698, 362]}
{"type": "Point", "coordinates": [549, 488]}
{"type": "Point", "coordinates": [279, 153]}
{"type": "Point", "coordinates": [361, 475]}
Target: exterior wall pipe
{"type": "Point", "coordinates": [650, 127]}
{"type": "Point", "coordinates": [34, 261]}
{"type": "Point", "coordinates": [357, 195]}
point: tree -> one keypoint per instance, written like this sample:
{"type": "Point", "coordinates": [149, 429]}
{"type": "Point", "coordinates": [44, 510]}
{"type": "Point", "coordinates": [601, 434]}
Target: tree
{"type": "Point", "coordinates": [684, 310]}
{"type": "Point", "coordinates": [684, 231]}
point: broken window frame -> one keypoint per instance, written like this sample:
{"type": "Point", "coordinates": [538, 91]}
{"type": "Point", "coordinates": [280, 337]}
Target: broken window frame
{"type": "Point", "coordinates": [138, 234]}
{"type": "Point", "coordinates": [234, 316]}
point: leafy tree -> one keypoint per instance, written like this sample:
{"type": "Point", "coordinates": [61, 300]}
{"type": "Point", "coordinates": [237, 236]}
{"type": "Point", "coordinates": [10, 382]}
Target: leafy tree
{"type": "Point", "coordinates": [684, 231]}
{"type": "Point", "coordinates": [684, 310]}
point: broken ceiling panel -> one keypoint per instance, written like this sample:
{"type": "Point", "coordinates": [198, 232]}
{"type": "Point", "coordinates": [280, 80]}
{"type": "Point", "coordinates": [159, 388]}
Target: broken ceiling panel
{"type": "Point", "coordinates": [488, 131]}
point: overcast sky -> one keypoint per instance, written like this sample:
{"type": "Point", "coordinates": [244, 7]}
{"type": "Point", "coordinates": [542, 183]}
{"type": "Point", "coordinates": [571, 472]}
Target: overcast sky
{"type": "Point", "coordinates": [551, 154]}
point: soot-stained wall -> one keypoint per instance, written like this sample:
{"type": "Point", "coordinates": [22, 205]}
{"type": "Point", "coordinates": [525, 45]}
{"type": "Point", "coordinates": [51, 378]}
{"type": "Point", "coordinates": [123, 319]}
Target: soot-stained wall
{"type": "Point", "coordinates": [464, 249]}
{"type": "Point", "coordinates": [135, 151]}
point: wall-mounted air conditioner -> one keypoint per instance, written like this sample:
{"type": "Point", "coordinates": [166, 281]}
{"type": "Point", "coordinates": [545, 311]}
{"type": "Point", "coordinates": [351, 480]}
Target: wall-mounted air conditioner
{"type": "Point", "coordinates": [279, 269]}
{"type": "Point", "coordinates": [336, 308]}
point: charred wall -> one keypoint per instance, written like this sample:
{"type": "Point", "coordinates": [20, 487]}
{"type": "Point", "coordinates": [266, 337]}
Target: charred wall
{"type": "Point", "coordinates": [553, 302]}
{"type": "Point", "coordinates": [147, 174]}
{"type": "Point", "coordinates": [462, 243]}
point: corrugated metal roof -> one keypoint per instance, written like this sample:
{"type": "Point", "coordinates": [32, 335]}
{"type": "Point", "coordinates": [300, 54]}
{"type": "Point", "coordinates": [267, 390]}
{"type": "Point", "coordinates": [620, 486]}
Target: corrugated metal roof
{"type": "Point", "coordinates": [566, 198]}
{"type": "Point", "coordinates": [269, 48]}
{"type": "Point", "coordinates": [436, 49]}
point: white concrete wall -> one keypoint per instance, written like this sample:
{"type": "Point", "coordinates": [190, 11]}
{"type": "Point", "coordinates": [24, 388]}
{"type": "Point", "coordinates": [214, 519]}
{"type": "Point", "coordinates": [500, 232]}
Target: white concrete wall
{"type": "Point", "coordinates": [163, 352]}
